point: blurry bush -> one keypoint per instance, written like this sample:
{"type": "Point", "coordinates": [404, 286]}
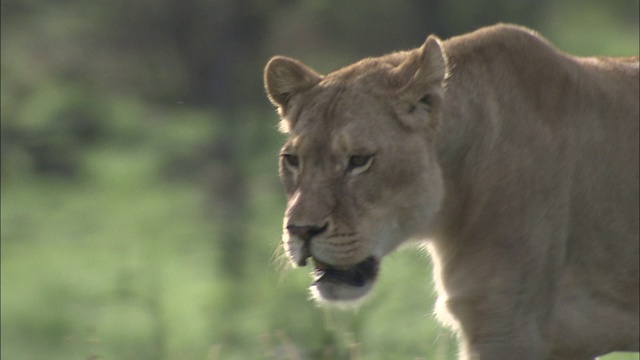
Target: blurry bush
{"type": "Point", "coordinates": [67, 65]}
{"type": "Point", "coordinates": [48, 132]}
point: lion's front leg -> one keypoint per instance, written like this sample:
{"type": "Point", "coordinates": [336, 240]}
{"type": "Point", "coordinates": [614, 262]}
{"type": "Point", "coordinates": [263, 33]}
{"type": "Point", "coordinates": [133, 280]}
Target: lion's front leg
{"type": "Point", "coordinates": [502, 308]}
{"type": "Point", "coordinates": [498, 332]}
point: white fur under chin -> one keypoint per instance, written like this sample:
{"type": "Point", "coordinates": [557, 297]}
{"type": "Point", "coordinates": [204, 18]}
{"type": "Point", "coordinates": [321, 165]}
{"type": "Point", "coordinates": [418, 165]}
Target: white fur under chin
{"type": "Point", "coordinates": [341, 295]}
{"type": "Point", "coordinates": [349, 304]}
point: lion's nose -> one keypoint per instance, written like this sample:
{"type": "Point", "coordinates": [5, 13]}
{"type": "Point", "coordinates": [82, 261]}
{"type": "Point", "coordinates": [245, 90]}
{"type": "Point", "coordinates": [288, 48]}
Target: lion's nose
{"type": "Point", "coordinates": [306, 232]}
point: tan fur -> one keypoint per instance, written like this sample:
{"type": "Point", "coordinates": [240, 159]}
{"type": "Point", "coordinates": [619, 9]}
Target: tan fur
{"type": "Point", "coordinates": [517, 162]}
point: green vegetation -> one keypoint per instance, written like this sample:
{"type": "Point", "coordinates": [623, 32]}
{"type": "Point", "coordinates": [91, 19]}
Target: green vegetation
{"type": "Point", "coordinates": [141, 211]}
{"type": "Point", "coordinates": [124, 267]}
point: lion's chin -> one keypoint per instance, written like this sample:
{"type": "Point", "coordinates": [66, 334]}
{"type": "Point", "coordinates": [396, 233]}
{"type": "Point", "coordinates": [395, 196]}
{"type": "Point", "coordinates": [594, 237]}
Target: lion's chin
{"type": "Point", "coordinates": [344, 286]}
{"type": "Point", "coordinates": [339, 294]}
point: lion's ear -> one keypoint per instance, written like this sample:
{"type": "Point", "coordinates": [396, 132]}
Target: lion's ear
{"type": "Point", "coordinates": [427, 66]}
{"type": "Point", "coordinates": [419, 80]}
{"type": "Point", "coordinates": [284, 77]}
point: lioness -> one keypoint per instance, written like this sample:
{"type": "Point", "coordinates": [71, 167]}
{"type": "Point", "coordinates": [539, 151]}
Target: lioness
{"type": "Point", "coordinates": [515, 162]}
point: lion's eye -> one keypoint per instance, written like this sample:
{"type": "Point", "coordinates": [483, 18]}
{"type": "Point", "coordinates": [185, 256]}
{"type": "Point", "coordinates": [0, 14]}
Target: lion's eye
{"type": "Point", "coordinates": [359, 163]}
{"type": "Point", "coordinates": [291, 160]}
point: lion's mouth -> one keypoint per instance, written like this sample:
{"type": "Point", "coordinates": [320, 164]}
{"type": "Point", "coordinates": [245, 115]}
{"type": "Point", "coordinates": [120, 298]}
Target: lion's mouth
{"type": "Point", "coordinates": [356, 275]}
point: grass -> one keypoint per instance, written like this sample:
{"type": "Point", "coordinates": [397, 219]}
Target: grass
{"type": "Point", "coordinates": [122, 266]}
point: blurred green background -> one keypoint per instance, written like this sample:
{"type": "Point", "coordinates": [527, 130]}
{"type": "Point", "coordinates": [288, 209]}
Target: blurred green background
{"type": "Point", "coordinates": [141, 210]}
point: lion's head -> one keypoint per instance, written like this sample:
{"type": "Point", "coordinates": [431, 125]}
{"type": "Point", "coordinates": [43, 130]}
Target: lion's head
{"type": "Point", "coordinates": [359, 166]}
